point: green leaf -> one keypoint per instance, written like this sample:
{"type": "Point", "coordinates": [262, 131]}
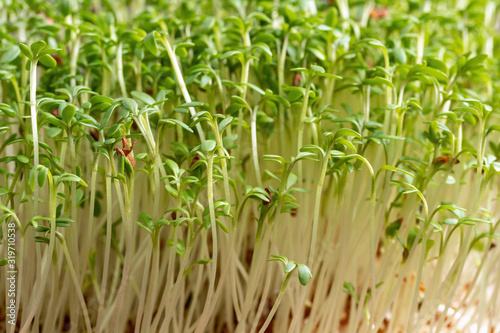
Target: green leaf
{"type": "Point", "coordinates": [130, 104]}
{"type": "Point", "coordinates": [180, 246]}
{"type": "Point", "coordinates": [440, 76]}
{"type": "Point", "coordinates": [150, 43]}
{"type": "Point", "coordinates": [318, 69]}
{"type": "Point", "coordinates": [143, 97]}
{"type": "Point", "coordinates": [41, 239]}
{"type": "Point", "coordinates": [290, 266]}
{"type": "Point", "coordinates": [224, 123]}
{"type": "Point", "coordinates": [36, 47]}
{"type": "Point", "coordinates": [11, 54]}
{"type": "Point", "coordinates": [48, 61]}
{"type": "Point", "coordinates": [26, 51]}
{"type": "Point", "coordinates": [4, 190]}
{"type": "Point", "coordinates": [392, 168]}
{"type": "Point", "coordinates": [52, 132]}
{"type": "Point", "coordinates": [67, 177]}
{"type": "Point", "coordinates": [493, 128]}
{"type": "Point", "coordinates": [65, 7]}
{"type": "Point", "coordinates": [107, 116]}
{"type": "Point", "coordinates": [346, 143]}
{"type": "Point", "coordinates": [346, 132]}
{"type": "Point", "coordinates": [68, 113]}
{"type": "Point", "coordinates": [162, 222]}
{"type": "Point", "coordinates": [222, 226]}
{"type": "Point", "coordinates": [467, 110]}
{"type": "Point", "coordinates": [202, 261]}
{"type": "Point", "coordinates": [350, 290]}
{"type": "Point", "coordinates": [254, 87]}
{"type": "Point", "coordinates": [475, 62]}
{"type": "Point", "coordinates": [173, 166]}
{"type": "Point", "coordinates": [42, 176]}
{"type": "Point", "coordinates": [208, 145]}
{"type": "Point", "coordinates": [304, 274]}
{"type": "Point", "coordinates": [98, 99]}
{"type": "Point", "coordinates": [23, 159]}
{"type": "Point", "coordinates": [392, 229]}
{"type": "Point", "coordinates": [48, 51]}
{"type": "Point", "coordinates": [146, 220]}
{"type": "Point", "coordinates": [191, 104]}
{"type": "Point", "coordinates": [329, 75]}
{"type": "Point", "coordinates": [4, 262]}
{"type": "Point", "coordinates": [399, 55]}
{"type": "Point", "coordinates": [177, 122]}
{"type": "Point", "coordinates": [378, 81]}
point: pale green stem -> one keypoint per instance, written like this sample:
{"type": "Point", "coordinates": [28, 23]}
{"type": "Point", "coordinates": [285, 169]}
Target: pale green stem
{"type": "Point", "coordinates": [210, 194]}
{"type": "Point", "coordinates": [119, 69]}
{"type": "Point", "coordinates": [105, 75]}
{"type": "Point", "coordinates": [87, 240]}
{"type": "Point", "coordinates": [300, 135]}
{"type": "Point", "coordinates": [74, 58]}
{"type": "Point", "coordinates": [245, 72]}
{"type": "Point", "coordinates": [34, 129]}
{"type": "Point", "coordinates": [276, 304]}
{"type": "Point", "coordinates": [142, 298]}
{"type": "Point", "coordinates": [281, 82]}
{"type": "Point", "coordinates": [109, 224]}
{"type": "Point", "coordinates": [128, 229]}
{"type": "Point", "coordinates": [77, 284]}
{"type": "Point", "coordinates": [317, 206]}
{"type": "Point", "coordinates": [181, 83]}
{"type": "Point", "coordinates": [153, 285]}
{"type": "Point", "coordinates": [47, 257]}
{"type": "Point", "coordinates": [255, 155]}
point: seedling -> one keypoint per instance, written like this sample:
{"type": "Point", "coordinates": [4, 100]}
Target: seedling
{"type": "Point", "coordinates": [172, 148]}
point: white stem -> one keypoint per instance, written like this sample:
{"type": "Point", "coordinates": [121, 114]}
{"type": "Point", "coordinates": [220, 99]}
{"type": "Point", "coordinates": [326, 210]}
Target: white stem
{"type": "Point", "coordinates": [255, 155]}
{"type": "Point", "coordinates": [182, 84]}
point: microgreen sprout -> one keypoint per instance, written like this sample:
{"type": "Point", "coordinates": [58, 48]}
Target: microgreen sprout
{"type": "Point", "coordinates": [155, 156]}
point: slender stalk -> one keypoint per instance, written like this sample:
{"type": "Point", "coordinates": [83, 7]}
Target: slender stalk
{"type": "Point", "coordinates": [181, 83]}
{"type": "Point", "coordinates": [281, 82]}
{"type": "Point", "coordinates": [276, 303]}
{"type": "Point", "coordinates": [127, 224]}
{"type": "Point", "coordinates": [34, 129]}
{"type": "Point", "coordinates": [119, 69]}
{"type": "Point", "coordinates": [317, 206]}
{"type": "Point", "coordinates": [210, 195]}
{"type": "Point", "coordinates": [76, 282]}
{"type": "Point", "coordinates": [255, 156]}
{"type": "Point", "coordinates": [300, 135]}
{"type": "Point", "coordinates": [107, 248]}
{"type": "Point", "coordinates": [46, 261]}
{"type": "Point", "coordinates": [148, 313]}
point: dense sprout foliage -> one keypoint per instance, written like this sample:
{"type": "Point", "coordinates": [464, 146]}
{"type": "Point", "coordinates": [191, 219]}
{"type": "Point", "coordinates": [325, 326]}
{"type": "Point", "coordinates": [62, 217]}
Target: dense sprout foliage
{"type": "Point", "coordinates": [159, 159]}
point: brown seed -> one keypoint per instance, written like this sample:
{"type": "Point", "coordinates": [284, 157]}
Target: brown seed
{"type": "Point", "coordinates": [264, 202]}
{"type": "Point", "coordinates": [442, 159]}
{"type": "Point", "coordinates": [120, 151]}
{"type": "Point", "coordinates": [94, 134]}
{"type": "Point", "coordinates": [129, 150]}
{"type": "Point", "coordinates": [176, 215]}
{"type": "Point", "coordinates": [379, 13]}
{"type": "Point", "coordinates": [296, 79]}
{"type": "Point", "coordinates": [131, 159]}
{"type": "Point", "coordinates": [57, 58]}
{"type": "Point", "coordinates": [194, 160]}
